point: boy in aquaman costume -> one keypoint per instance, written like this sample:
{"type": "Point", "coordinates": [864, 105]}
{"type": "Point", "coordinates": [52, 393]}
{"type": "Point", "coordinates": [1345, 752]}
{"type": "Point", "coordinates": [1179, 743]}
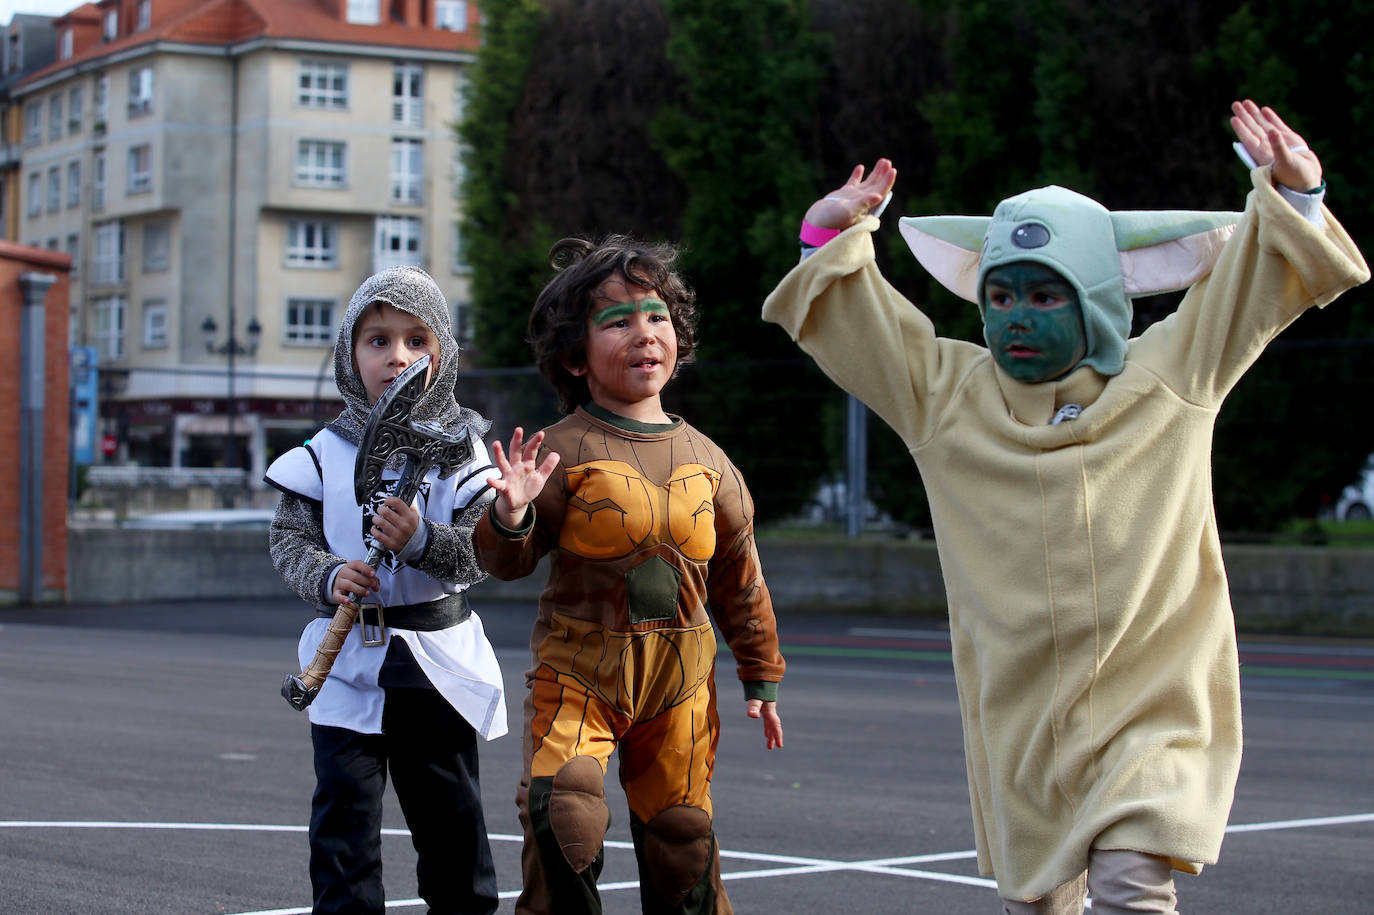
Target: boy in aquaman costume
{"type": "Point", "coordinates": [646, 523]}
{"type": "Point", "coordinates": [1069, 476]}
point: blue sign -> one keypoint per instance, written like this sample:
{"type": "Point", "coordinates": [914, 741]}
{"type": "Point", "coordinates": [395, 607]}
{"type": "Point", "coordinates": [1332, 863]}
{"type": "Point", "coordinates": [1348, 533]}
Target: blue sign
{"type": "Point", "coordinates": [85, 407]}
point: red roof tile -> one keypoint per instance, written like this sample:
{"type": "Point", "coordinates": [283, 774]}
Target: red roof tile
{"type": "Point", "coordinates": [226, 22]}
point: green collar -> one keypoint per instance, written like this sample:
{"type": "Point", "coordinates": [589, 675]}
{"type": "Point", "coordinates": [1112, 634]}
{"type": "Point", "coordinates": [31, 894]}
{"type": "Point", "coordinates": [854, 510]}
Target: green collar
{"type": "Point", "coordinates": [629, 425]}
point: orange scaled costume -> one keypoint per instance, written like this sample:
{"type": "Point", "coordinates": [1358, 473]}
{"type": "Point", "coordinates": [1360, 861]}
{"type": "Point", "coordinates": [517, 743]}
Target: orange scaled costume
{"type": "Point", "coordinates": [645, 526]}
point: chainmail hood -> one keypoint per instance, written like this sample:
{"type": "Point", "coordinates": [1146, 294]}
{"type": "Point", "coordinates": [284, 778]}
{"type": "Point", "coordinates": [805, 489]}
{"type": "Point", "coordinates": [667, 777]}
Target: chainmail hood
{"type": "Point", "coordinates": [413, 291]}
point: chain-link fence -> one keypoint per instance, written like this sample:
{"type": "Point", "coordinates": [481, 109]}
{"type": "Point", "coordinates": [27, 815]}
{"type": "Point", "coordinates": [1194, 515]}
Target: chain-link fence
{"type": "Point", "coordinates": [1292, 435]}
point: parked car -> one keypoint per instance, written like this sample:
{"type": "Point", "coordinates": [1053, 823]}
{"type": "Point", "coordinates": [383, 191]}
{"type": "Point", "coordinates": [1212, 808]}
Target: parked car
{"type": "Point", "coordinates": [1357, 500]}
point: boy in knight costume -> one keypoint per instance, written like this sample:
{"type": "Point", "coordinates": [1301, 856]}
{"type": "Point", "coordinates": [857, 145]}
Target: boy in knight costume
{"type": "Point", "coordinates": [415, 696]}
{"type": "Point", "coordinates": [646, 523]}
{"type": "Point", "coordinates": [1068, 472]}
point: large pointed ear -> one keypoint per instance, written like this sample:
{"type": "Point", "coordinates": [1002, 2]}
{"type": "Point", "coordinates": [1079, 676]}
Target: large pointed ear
{"type": "Point", "coordinates": [1163, 250]}
{"type": "Point", "coordinates": [949, 247]}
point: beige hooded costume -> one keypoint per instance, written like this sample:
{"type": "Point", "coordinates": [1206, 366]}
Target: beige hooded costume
{"type": "Point", "coordinates": [1094, 647]}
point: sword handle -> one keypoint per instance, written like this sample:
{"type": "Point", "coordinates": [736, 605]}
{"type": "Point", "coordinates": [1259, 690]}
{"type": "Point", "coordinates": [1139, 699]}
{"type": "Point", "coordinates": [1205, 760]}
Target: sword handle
{"type": "Point", "coordinates": [301, 689]}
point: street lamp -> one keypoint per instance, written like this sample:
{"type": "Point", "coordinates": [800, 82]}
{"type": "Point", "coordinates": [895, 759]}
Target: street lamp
{"type": "Point", "coordinates": [231, 348]}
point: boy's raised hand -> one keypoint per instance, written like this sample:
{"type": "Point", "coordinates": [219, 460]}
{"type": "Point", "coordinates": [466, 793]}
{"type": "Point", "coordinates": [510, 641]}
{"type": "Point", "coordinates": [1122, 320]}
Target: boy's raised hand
{"type": "Point", "coordinates": [772, 724]}
{"type": "Point", "coordinates": [1270, 141]}
{"type": "Point", "coordinates": [851, 201]}
{"type": "Point", "coordinates": [521, 478]}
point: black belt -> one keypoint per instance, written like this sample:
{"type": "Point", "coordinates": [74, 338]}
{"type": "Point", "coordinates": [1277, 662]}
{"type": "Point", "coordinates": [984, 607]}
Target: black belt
{"type": "Point", "coordinates": [431, 616]}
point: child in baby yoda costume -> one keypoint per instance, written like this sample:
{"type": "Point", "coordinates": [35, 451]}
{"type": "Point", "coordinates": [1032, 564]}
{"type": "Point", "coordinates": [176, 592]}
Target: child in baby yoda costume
{"type": "Point", "coordinates": [1068, 471]}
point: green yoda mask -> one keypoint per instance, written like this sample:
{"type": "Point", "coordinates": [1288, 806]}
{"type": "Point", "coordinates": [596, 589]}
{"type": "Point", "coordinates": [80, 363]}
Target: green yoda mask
{"type": "Point", "coordinates": [1032, 321]}
{"type": "Point", "coordinates": [1105, 257]}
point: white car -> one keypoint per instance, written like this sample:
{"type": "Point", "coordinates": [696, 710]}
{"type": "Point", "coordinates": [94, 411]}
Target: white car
{"type": "Point", "coordinates": [1357, 500]}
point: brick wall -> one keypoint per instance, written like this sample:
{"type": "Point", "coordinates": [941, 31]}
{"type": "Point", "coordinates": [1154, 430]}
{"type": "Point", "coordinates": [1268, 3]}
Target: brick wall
{"type": "Point", "coordinates": [16, 259]}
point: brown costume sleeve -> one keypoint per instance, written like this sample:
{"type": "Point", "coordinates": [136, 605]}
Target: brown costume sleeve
{"type": "Point", "coordinates": [735, 587]}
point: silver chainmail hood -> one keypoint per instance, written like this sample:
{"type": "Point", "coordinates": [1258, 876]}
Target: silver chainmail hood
{"type": "Point", "coordinates": [413, 291]}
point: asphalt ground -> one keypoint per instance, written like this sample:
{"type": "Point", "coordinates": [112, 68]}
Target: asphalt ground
{"type": "Point", "coordinates": [149, 765]}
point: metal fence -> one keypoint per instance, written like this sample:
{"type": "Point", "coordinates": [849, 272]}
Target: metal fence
{"type": "Point", "coordinates": [1290, 437]}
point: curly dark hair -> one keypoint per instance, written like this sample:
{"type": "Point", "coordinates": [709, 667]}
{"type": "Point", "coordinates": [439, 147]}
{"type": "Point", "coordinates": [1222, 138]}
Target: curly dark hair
{"type": "Point", "coordinates": [557, 329]}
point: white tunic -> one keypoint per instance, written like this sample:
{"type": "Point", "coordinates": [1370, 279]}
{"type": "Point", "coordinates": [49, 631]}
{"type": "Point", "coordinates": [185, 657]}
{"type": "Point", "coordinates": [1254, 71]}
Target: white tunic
{"type": "Point", "coordinates": [458, 661]}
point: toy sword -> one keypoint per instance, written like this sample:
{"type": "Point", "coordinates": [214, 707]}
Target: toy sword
{"type": "Point", "coordinates": [389, 438]}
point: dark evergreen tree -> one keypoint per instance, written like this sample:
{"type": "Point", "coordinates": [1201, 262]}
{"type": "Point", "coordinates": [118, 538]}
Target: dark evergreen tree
{"type": "Point", "coordinates": [714, 123]}
{"type": "Point", "coordinates": [749, 71]}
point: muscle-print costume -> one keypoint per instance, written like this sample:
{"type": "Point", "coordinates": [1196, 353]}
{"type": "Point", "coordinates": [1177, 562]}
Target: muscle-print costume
{"type": "Point", "coordinates": [644, 526]}
{"type": "Point", "coordinates": [1094, 647]}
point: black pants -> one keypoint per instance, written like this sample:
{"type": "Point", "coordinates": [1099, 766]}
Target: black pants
{"type": "Point", "coordinates": [431, 753]}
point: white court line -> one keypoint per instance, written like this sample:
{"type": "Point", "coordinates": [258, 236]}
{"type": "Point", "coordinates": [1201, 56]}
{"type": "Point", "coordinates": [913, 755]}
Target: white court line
{"type": "Point", "coordinates": [794, 866]}
{"type": "Point", "coordinates": [1299, 824]}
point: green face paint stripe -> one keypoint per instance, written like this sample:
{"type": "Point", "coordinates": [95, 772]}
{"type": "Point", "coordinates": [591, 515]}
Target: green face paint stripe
{"type": "Point", "coordinates": [625, 309]}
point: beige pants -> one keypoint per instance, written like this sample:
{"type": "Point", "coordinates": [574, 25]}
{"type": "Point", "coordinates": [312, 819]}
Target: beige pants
{"type": "Point", "coordinates": [1121, 883]}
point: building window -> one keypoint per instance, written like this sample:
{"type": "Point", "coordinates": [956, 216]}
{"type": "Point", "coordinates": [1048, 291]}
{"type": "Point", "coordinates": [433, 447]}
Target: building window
{"type": "Point", "coordinates": [451, 15]}
{"type": "Point", "coordinates": [111, 25]}
{"type": "Point", "coordinates": [55, 123]}
{"type": "Point", "coordinates": [364, 12]}
{"type": "Point", "coordinates": [309, 322]}
{"type": "Point", "coordinates": [66, 50]}
{"type": "Point", "coordinates": [35, 202]}
{"type": "Point", "coordinates": [397, 242]}
{"type": "Point", "coordinates": [157, 246]}
{"type": "Point", "coordinates": [74, 110]}
{"type": "Point", "coordinates": [140, 169]}
{"type": "Point", "coordinates": [107, 267]}
{"type": "Point", "coordinates": [54, 244]}
{"type": "Point", "coordinates": [155, 324]}
{"type": "Point", "coordinates": [311, 243]}
{"type": "Point", "coordinates": [462, 322]}
{"type": "Point", "coordinates": [408, 95]}
{"type": "Point", "coordinates": [145, 15]}
{"type": "Point", "coordinates": [407, 170]}
{"type": "Point", "coordinates": [107, 327]}
{"type": "Point", "coordinates": [460, 96]}
{"type": "Point", "coordinates": [320, 163]}
{"type": "Point", "coordinates": [458, 169]}
{"type": "Point", "coordinates": [54, 189]}
{"type": "Point", "coordinates": [74, 183]}
{"type": "Point", "coordinates": [98, 180]}
{"type": "Point", "coordinates": [33, 123]}
{"type": "Point", "coordinates": [460, 255]}
{"type": "Point", "coordinates": [140, 91]}
{"type": "Point", "coordinates": [74, 249]}
{"type": "Point", "coordinates": [102, 100]}
{"type": "Point", "coordinates": [322, 85]}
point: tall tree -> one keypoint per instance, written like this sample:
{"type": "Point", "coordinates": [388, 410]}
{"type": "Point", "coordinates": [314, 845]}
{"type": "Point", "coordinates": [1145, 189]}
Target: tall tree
{"type": "Point", "coordinates": [736, 138]}
{"type": "Point", "coordinates": [714, 123]}
{"type": "Point", "coordinates": [506, 249]}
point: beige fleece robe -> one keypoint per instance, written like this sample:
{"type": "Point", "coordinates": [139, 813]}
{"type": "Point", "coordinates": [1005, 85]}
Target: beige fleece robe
{"type": "Point", "coordinates": [1094, 647]}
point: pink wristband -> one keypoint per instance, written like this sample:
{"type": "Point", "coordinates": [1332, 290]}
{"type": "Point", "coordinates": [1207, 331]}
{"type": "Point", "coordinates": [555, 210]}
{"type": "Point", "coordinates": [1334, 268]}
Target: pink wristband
{"type": "Point", "coordinates": [815, 236]}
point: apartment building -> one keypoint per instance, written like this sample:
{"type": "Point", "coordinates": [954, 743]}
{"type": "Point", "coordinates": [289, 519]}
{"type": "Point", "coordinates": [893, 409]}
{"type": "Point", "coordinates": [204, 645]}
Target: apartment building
{"type": "Point", "coordinates": [28, 42]}
{"type": "Point", "coordinates": [224, 174]}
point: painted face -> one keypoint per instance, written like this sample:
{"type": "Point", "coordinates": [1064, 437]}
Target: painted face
{"type": "Point", "coordinates": [387, 340]}
{"type": "Point", "coordinates": [1032, 321]}
{"type": "Point", "coordinates": [631, 350]}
